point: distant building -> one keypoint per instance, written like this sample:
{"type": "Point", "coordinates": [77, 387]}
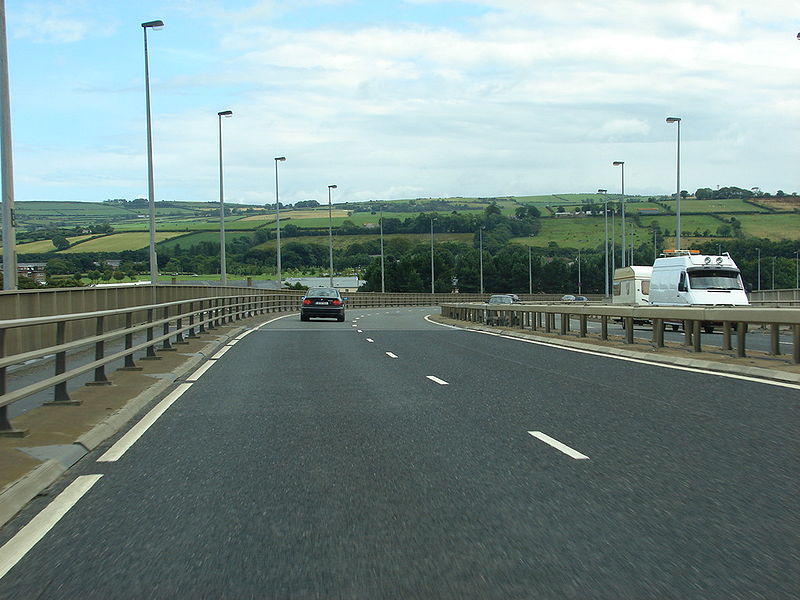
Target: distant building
{"type": "Point", "coordinates": [35, 271]}
{"type": "Point", "coordinates": [343, 284]}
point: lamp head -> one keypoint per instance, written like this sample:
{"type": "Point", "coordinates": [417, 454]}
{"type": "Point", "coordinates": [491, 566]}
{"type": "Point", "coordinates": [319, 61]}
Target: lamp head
{"type": "Point", "coordinates": [153, 25]}
{"type": "Point", "coordinates": [332, 187]}
{"type": "Point", "coordinates": [225, 113]}
{"type": "Point", "coordinates": [617, 163]}
{"type": "Point", "coordinates": [280, 158]}
{"type": "Point", "coordinates": [673, 119]}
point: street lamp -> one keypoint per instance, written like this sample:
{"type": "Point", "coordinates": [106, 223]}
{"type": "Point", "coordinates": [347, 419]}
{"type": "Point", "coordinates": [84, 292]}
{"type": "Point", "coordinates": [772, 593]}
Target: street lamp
{"type": "Point", "coordinates": [621, 163]}
{"type": "Point", "coordinates": [223, 279]}
{"type": "Point", "coordinates": [330, 231]}
{"type": "Point", "coordinates": [530, 269]}
{"type": "Point", "coordinates": [278, 216]}
{"type": "Point", "coordinates": [796, 270]}
{"type": "Point", "coordinates": [759, 269]}
{"type": "Point", "coordinates": [605, 221]}
{"type": "Point", "coordinates": [9, 234]}
{"type": "Point", "coordinates": [432, 275]}
{"type": "Point", "coordinates": [150, 186]}
{"type": "Point", "coordinates": [579, 271]}
{"type": "Point", "coordinates": [480, 252]}
{"type": "Point", "coordinates": [678, 192]}
{"type": "Point", "coordinates": [383, 277]}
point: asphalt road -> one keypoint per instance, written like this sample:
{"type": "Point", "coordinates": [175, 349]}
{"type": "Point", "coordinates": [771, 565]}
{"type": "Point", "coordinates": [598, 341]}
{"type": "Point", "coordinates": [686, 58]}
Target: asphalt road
{"type": "Point", "coordinates": [390, 457]}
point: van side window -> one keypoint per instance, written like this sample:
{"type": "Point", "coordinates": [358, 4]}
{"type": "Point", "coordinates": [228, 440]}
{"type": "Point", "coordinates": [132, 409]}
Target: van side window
{"type": "Point", "coordinates": [682, 282]}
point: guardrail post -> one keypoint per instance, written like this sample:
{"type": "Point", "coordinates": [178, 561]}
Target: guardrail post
{"type": "Point", "coordinates": [658, 333]}
{"type": "Point", "coordinates": [179, 326]}
{"type": "Point", "coordinates": [99, 353]}
{"type": "Point", "coordinates": [796, 344]}
{"type": "Point", "coordinates": [774, 339]}
{"type": "Point", "coordinates": [563, 324]}
{"type": "Point", "coordinates": [129, 364]}
{"type": "Point", "coordinates": [688, 328]}
{"type": "Point", "coordinates": [696, 341]}
{"type": "Point", "coordinates": [603, 327]}
{"type": "Point", "coordinates": [628, 330]}
{"type": "Point", "coordinates": [548, 318]}
{"type": "Point", "coordinates": [6, 429]}
{"type": "Point", "coordinates": [740, 333]}
{"type": "Point", "coordinates": [190, 333]}
{"type": "Point", "coordinates": [211, 314]}
{"type": "Point", "coordinates": [726, 335]}
{"type": "Point", "coordinates": [151, 348]}
{"type": "Point", "coordinates": [582, 325]}
{"type": "Point", "coordinates": [201, 316]}
{"type": "Point", "coordinates": [166, 345]}
{"type": "Point", "coordinates": [60, 395]}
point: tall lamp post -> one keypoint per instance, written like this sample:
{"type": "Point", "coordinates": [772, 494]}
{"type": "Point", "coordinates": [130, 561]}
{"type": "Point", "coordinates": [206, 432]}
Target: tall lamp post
{"type": "Point", "coordinates": [759, 269]}
{"type": "Point", "coordinates": [530, 271]}
{"type": "Point", "coordinates": [278, 217]}
{"type": "Point", "coordinates": [796, 270]}
{"type": "Point", "coordinates": [678, 191]}
{"type": "Point", "coordinates": [223, 273]}
{"type": "Point", "coordinates": [621, 163]}
{"type": "Point", "coordinates": [383, 274]}
{"type": "Point", "coordinates": [605, 220]}
{"type": "Point", "coordinates": [9, 234]}
{"type": "Point", "coordinates": [330, 231]}
{"type": "Point", "coordinates": [432, 273]}
{"type": "Point", "coordinates": [480, 252]}
{"type": "Point", "coordinates": [150, 186]}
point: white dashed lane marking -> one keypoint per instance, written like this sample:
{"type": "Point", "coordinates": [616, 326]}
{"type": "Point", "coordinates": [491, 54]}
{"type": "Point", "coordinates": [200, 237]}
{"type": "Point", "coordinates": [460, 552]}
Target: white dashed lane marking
{"type": "Point", "coordinates": [391, 355]}
{"type": "Point", "coordinates": [558, 445]}
{"type": "Point", "coordinates": [437, 380]}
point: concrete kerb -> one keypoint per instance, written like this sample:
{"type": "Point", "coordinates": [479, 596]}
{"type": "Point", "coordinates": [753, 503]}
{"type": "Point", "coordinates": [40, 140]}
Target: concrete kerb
{"type": "Point", "coordinates": [17, 494]}
{"type": "Point", "coordinates": [707, 365]}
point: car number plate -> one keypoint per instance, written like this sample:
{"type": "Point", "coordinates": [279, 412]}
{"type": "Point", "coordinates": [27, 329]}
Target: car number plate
{"type": "Point", "coordinates": [323, 303]}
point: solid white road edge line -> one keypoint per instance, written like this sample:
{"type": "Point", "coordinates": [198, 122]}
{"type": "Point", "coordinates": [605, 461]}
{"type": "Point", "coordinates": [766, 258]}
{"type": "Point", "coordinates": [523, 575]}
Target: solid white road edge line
{"type": "Point", "coordinates": [558, 445]}
{"type": "Point", "coordinates": [437, 380]}
{"type": "Point", "coordinates": [793, 386]}
{"type": "Point", "coordinates": [129, 439]}
{"type": "Point", "coordinates": [196, 375]}
{"type": "Point", "coordinates": [27, 537]}
{"type": "Point", "coordinates": [275, 319]}
{"type": "Point", "coordinates": [391, 355]}
{"type": "Point", "coordinates": [222, 351]}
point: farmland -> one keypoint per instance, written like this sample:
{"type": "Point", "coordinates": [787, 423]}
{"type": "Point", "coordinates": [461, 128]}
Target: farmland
{"type": "Point", "coordinates": [187, 224]}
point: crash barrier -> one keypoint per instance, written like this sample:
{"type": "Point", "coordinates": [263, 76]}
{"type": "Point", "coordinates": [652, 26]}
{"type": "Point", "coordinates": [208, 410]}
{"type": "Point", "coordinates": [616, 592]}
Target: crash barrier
{"type": "Point", "coordinates": [58, 323]}
{"type": "Point", "coordinates": [160, 323]}
{"type": "Point", "coordinates": [775, 298]}
{"type": "Point", "coordinates": [555, 318]}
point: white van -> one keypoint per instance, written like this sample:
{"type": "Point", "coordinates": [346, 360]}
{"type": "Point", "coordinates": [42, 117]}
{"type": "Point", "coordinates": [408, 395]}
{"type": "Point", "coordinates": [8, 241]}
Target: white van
{"type": "Point", "coordinates": [687, 278]}
{"type": "Point", "coordinates": [631, 285]}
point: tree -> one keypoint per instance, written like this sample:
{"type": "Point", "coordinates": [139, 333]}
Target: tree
{"type": "Point", "coordinates": [94, 275]}
{"type": "Point", "coordinates": [119, 275]}
{"type": "Point", "coordinates": [60, 242]}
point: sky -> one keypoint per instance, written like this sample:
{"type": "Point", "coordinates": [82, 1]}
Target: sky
{"type": "Point", "coordinates": [393, 99]}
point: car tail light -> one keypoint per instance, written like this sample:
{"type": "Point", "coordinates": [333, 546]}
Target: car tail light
{"type": "Point", "coordinates": [336, 302]}
{"type": "Point", "coordinates": [306, 302]}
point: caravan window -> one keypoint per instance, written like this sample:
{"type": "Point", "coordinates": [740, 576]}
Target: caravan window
{"type": "Point", "coordinates": [616, 288]}
{"type": "Point", "coordinates": [646, 287]}
{"type": "Point", "coordinates": [717, 279]}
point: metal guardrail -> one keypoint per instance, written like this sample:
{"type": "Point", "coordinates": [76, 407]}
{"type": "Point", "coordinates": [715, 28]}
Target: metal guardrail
{"type": "Point", "coordinates": [61, 322]}
{"type": "Point", "coordinates": [174, 319]}
{"type": "Point", "coordinates": [552, 318]}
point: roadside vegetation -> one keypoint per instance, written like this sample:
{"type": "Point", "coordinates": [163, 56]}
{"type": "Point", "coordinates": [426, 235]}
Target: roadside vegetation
{"type": "Point", "coordinates": [536, 239]}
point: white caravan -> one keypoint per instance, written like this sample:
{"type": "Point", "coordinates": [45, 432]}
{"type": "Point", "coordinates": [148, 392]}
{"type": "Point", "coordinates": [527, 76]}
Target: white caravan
{"type": "Point", "coordinates": [687, 278]}
{"type": "Point", "coordinates": [632, 285]}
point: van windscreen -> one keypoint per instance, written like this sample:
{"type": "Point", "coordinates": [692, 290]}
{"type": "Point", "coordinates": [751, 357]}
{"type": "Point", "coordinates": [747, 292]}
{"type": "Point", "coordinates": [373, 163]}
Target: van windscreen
{"type": "Point", "coordinates": [714, 279]}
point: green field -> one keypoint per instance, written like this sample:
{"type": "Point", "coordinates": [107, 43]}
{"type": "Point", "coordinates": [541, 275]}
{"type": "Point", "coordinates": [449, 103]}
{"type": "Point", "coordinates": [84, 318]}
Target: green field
{"type": "Point", "coordinates": [344, 241]}
{"type": "Point", "coordinates": [185, 241]}
{"type": "Point", "coordinates": [117, 242]}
